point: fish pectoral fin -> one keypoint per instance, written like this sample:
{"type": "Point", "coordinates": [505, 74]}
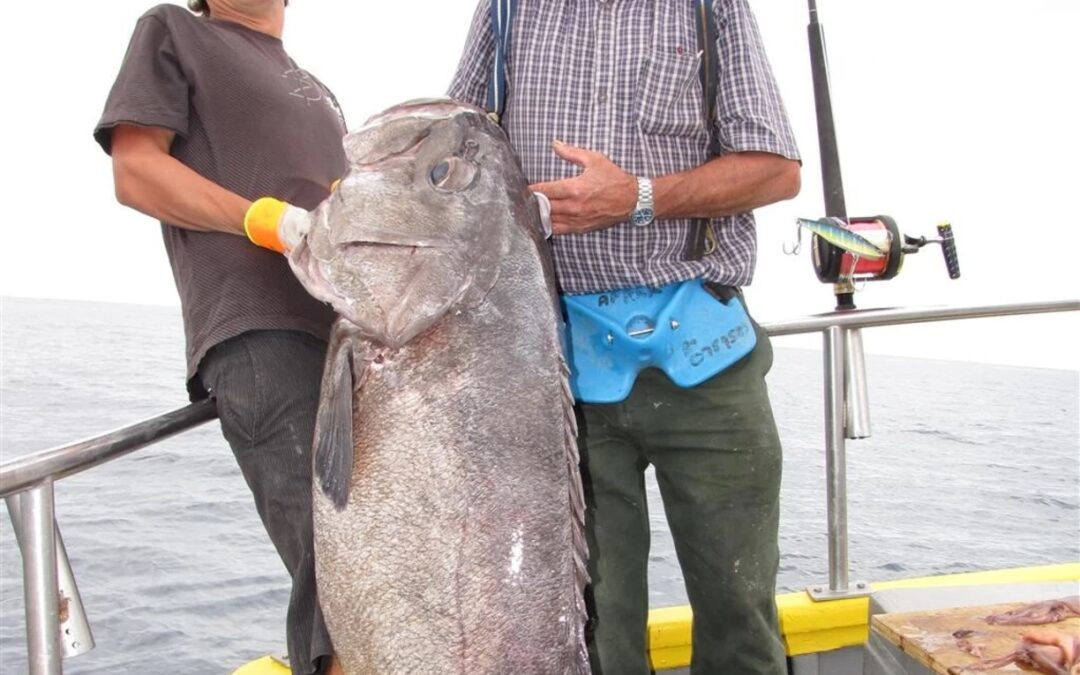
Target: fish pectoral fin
{"type": "Point", "coordinates": [333, 444]}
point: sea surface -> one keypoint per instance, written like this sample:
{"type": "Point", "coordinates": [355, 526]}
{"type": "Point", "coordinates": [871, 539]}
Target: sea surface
{"type": "Point", "coordinates": [969, 467]}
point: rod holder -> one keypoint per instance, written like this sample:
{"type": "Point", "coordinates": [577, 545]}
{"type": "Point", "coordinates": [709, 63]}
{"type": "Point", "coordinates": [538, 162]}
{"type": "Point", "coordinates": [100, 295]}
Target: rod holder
{"type": "Point", "coordinates": [856, 397]}
{"type": "Point", "coordinates": [35, 530]}
{"type": "Point", "coordinates": [53, 603]}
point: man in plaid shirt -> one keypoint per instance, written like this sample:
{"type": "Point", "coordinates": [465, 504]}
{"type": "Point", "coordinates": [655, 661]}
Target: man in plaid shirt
{"type": "Point", "coordinates": [605, 106]}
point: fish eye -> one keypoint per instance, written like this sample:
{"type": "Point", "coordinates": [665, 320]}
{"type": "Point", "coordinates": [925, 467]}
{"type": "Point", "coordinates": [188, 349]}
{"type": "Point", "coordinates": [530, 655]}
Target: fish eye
{"type": "Point", "coordinates": [453, 174]}
{"type": "Point", "coordinates": [439, 172]}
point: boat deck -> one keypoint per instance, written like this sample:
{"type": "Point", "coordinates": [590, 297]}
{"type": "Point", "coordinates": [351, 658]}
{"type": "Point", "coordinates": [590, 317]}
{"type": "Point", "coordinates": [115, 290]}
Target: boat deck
{"type": "Point", "coordinates": [822, 637]}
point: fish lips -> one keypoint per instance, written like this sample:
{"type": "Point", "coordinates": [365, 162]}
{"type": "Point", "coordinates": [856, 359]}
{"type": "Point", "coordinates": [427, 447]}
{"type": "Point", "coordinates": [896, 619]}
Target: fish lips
{"type": "Point", "coordinates": [379, 237]}
{"type": "Point", "coordinates": [387, 311]}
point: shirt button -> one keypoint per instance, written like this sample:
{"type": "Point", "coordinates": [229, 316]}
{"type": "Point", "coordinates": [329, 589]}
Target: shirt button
{"type": "Point", "coordinates": [602, 98]}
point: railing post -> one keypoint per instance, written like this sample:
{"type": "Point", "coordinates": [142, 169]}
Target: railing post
{"type": "Point", "coordinates": [834, 350]}
{"type": "Point", "coordinates": [37, 514]}
{"type": "Point", "coordinates": [836, 459]}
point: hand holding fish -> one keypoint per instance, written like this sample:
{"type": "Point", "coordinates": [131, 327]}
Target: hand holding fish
{"type": "Point", "coordinates": [601, 196]}
{"type": "Point", "coordinates": [276, 225]}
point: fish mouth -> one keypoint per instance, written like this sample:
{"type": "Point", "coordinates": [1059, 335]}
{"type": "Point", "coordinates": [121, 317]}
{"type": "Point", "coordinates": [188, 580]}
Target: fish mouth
{"type": "Point", "coordinates": [359, 255]}
{"type": "Point", "coordinates": [365, 258]}
{"type": "Point", "coordinates": [353, 248]}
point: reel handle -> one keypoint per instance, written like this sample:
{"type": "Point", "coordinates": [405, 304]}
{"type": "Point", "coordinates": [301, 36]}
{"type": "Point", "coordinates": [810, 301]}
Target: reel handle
{"type": "Point", "coordinates": [948, 249]}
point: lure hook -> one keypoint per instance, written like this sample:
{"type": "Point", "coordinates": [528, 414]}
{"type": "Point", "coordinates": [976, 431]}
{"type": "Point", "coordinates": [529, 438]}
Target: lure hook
{"type": "Point", "coordinates": [798, 242]}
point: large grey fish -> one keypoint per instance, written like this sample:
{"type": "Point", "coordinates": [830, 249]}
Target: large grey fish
{"type": "Point", "coordinates": [448, 507]}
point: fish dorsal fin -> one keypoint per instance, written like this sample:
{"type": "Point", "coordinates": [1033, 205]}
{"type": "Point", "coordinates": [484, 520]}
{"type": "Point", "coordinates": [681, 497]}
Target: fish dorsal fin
{"type": "Point", "coordinates": [576, 496]}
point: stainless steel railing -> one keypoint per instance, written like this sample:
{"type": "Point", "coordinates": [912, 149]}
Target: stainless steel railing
{"type": "Point", "coordinates": [27, 482]}
{"type": "Point", "coordinates": [56, 624]}
{"type": "Point", "coordinates": [847, 408]}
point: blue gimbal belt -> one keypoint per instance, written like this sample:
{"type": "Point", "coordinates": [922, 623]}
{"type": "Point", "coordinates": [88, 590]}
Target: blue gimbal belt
{"type": "Point", "coordinates": [685, 329]}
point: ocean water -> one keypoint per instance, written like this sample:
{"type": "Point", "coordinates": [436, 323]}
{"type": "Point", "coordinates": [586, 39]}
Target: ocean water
{"type": "Point", "coordinates": [969, 467]}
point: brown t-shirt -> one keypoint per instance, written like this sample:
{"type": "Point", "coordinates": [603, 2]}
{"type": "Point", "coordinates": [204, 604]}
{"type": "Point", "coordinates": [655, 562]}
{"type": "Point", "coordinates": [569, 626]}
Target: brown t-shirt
{"type": "Point", "coordinates": [249, 119]}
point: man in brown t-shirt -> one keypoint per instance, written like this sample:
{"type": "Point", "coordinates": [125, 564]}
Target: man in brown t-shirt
{"type": "Point", "coordinates": [208, 114]}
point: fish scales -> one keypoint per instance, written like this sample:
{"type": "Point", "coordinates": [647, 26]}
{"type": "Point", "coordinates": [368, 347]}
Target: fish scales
{"type": "Point", "coordinates": [448, 507]}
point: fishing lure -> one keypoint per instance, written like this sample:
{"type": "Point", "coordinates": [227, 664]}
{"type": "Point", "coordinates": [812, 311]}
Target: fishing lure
{"type": "Point", "coordinates": [840, 237]}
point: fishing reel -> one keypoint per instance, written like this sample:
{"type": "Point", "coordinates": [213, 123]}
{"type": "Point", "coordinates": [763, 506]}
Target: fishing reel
{"type": "Point", "coordinates": [834, 264]}
{"type": "Point", "coordinates": [868, 249]}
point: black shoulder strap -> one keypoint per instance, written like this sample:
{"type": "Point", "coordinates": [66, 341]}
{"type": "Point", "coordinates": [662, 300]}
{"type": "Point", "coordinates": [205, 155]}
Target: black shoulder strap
{"type": "Point", "coordinates": [701, 242]}
{"type": "Point", "coordinates": [502, 16]}
{"type": "Point", "coordinates": [706, 32]}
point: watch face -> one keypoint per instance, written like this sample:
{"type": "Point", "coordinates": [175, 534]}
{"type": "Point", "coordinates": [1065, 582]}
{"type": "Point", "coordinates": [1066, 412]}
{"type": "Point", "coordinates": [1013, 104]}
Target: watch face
{"type": "Point", "coordinates": [641, 217]}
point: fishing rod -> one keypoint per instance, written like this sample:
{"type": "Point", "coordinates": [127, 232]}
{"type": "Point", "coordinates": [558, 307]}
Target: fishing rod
{"type": "Point", "coordinates": [847, 250]}
{"type": "Point", "coordinates": [850, 250]}
{"type": "Point", "coordinates": [830, 153]}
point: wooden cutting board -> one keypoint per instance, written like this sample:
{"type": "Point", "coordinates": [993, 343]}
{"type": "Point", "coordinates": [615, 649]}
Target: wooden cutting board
{"type": "Point", "coordinates": [929, 637]}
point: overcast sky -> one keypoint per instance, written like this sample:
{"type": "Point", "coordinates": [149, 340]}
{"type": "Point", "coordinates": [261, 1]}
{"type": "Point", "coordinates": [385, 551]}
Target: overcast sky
{"type": "Point", "coordinates": [958, 110]}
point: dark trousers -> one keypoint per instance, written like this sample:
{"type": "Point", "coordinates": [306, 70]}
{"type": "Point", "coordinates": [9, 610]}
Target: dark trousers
{"type": "Point", "coordinates": [717, 458]}
{"type": "Point", "coordinates": [266, 384]}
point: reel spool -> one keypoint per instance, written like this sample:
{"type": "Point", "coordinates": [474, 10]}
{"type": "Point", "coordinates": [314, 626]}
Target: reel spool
{"type": "Point", "coordinates": [834, 265]}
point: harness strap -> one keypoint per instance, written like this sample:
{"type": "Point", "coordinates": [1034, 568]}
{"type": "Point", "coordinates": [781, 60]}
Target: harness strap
{"type": "Point", "coordinates": [706, 33]}
{"type": "Point", "coordinates": [502, 17]}
{"type": "Point", "coordinates": [709, 74]}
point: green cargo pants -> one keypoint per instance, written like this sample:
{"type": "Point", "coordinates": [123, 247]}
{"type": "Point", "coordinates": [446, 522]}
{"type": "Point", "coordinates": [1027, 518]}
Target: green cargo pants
{"type": "Point", "coordinates": [717, 458]}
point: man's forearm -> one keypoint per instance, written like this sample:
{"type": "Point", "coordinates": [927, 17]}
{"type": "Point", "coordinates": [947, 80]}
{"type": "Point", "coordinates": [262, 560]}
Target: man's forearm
{"type": "Point", "coordinates": [147, 178]}
{"type": "Point", "coordinates": [726, 185]}
{"type": "Point", "coordinates": [604, 194]}
{"type": "Point", "coordinates": [162, 187]}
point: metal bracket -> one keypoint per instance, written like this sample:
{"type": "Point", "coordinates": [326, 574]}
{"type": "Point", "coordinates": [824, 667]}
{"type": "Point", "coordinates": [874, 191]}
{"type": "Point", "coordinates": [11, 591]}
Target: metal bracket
{"type": "Point", "coordinates": [858, 589]}
{"type": "Point", "coordinates": [856, 399]}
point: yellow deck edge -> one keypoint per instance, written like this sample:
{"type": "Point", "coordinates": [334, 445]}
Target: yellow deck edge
{"type": "Point", "coordinates": [807, 626]}
{"type": "Point", "coordinates": [264, 666]}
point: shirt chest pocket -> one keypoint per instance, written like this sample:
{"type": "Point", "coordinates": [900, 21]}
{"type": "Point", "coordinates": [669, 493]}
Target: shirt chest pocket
{"type": "Point", "coordinates": [669, 95]}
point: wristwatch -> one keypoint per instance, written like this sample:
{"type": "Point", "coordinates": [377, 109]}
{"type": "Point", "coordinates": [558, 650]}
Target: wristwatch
{"type": "Point", "coordinates": [643, 213]}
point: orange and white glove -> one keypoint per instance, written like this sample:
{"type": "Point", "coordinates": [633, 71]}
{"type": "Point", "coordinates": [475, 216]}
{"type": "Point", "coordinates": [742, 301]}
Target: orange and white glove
{"type": "Point", "coordinates": [276, 225]}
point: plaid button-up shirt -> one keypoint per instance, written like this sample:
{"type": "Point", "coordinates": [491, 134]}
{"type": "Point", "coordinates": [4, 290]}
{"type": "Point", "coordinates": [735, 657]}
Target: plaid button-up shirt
{"type": "Point", "coordinates": [622, 77]}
